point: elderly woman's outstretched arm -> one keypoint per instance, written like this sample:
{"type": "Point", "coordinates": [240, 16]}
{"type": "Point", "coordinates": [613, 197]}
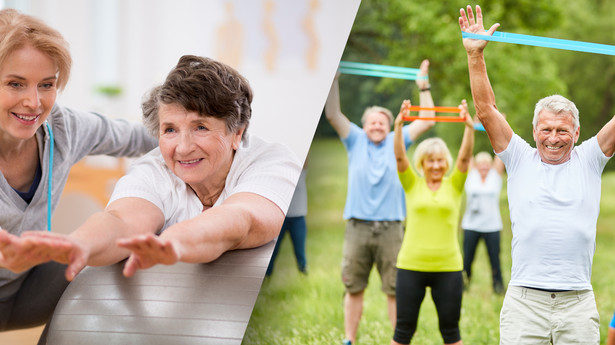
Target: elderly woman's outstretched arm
{"type": "Point", "coordinates": [244, 220]}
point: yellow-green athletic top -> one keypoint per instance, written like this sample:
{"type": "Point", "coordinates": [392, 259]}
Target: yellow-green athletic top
{"type": "Point", "coordinates": [432, 219]}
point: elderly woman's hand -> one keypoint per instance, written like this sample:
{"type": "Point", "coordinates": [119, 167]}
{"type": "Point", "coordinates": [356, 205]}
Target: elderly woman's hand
{"type": "Point", "coordinates": [465, 114]}
{"type": "Point", "coordinates": [403, 111]}
{"type": "Point", "coordinates": [147, 251]}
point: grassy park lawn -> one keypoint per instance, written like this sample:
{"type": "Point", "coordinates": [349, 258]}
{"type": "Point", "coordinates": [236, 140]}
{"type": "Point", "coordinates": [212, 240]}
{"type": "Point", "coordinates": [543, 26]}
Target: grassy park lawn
{"type": "Point", "coordinates": [296, 309]}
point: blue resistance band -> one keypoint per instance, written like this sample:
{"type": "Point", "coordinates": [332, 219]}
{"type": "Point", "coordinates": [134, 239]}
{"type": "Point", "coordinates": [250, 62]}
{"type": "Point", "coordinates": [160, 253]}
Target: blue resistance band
{"type": "Point", "coordinates": [546, 42]}
{"type": "Point", "coordinates": [373, 70]}
{"type": "Point", "coordinates": [50, 170]}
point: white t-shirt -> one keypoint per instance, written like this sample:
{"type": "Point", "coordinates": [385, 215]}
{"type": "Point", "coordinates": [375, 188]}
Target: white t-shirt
{"type": "Point", "coordinates": [482, 211]}
{"type": "Point", "coordinates": [267, 169]}
{"type": "Point", "coordinates": [553, 210]}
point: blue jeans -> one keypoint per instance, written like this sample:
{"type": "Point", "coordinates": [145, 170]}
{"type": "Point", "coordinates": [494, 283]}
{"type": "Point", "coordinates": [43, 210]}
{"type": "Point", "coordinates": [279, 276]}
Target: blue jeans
{"type": "Point", "coordinates": [492, 241]}
{"type": "Point", "coordinates": [297, 228]}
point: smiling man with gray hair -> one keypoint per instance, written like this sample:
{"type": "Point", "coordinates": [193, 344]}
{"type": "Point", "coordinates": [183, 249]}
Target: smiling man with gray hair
{"type": "Point", "coordinates": [554, 200]}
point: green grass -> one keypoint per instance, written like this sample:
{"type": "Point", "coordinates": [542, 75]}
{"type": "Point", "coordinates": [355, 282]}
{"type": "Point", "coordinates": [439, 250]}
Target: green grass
{"type": "Point", "coordinates": [297, 309]}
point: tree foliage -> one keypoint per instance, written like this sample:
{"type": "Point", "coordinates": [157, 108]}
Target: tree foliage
{"type": "Point", "coordinates": [403, 33]}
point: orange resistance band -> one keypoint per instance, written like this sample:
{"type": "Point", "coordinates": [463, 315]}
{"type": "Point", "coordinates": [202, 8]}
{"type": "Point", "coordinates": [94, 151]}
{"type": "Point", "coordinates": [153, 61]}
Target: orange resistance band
{"type": "Point", "coordinates": [437, 118]}
{"type": "Point", "coordinates": [436, 109]}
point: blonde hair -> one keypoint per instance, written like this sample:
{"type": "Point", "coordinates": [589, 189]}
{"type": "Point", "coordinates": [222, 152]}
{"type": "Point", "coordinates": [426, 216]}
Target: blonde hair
{"type": "Point", "coordinates": [377, 109]}
{"type": "Point", "coordinates": [18, 30]}
{"type": "Point", "coordinates": [483, 157]}
{"type": "Point", "coordinates": [429, 147]}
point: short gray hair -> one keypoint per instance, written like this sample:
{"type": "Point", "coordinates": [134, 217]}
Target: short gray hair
{"type": "Point", "coordinates": [377, 109]}
{"type": "Point", "coordinates": [557, 104]}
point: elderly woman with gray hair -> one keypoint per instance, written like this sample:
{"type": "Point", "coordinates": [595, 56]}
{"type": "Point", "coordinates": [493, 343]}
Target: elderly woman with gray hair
{"type": "Point", "coordinates": [210, 187]}
{"type": "Point", "coordinates": [429, 254]}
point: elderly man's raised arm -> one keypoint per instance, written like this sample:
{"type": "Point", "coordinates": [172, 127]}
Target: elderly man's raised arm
{"type": "Point", "coordinates": [606, 138]}
{"type": "Point", "coordinates": [333, 110]}
{"type": "Point", "coordinates": [495, 124]}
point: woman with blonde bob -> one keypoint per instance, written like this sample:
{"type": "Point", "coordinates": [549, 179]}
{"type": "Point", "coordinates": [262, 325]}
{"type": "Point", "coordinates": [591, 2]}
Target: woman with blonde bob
{"type": "Point", "coordinates": [430, 254]}
{"type": "Point", "coordinates": [40, 141]}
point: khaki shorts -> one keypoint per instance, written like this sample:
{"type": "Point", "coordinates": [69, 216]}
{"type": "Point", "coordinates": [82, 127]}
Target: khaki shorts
{"type": "Point", "coordinates": [367, 243]}
{"type": "Point", "coordinates": [531, 316]}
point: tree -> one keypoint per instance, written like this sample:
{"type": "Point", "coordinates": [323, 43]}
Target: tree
{"type": "Point", "coordinates": [591, 77]}
{"type": "Point", "coordinates": [402, 33]}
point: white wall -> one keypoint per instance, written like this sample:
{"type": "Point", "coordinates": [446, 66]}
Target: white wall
{"type": "Point", "coordinates": [134, 43]}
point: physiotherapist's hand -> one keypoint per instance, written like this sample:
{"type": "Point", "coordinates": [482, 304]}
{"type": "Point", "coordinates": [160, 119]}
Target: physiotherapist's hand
{"type": "Point", "coordinates": [147, 251]}
{"type": "Point", "coordinates": [13, 253]}
{"type": "Point", "coordinates": [33, 248]}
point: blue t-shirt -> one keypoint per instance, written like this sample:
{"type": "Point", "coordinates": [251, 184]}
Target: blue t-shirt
{"type": "Point", "coordinates": [612, 325]}
{"type": "Point", "coordinates": [374, 190]}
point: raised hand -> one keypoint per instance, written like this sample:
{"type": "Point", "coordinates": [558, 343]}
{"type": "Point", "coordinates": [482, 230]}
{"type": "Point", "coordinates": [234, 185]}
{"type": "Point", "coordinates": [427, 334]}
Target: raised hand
{"type": "Point", "coordinates": [423, 83]}
{"type": "Point", "coordinates": [403, 111]}
{"type": "Point", "coordinates": [468, 23]}
{"type": "Point", "coordinates": [147, 251]}
{"type": "Point", "coordinates": [464, 113]}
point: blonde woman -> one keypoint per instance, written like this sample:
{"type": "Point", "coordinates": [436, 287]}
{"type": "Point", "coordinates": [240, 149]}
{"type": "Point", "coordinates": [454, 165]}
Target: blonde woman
{"type": "Point", "coordinates": [40, 140]}
{"type": "Point", "coordinates": [430, 254]}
